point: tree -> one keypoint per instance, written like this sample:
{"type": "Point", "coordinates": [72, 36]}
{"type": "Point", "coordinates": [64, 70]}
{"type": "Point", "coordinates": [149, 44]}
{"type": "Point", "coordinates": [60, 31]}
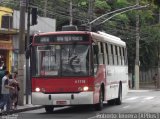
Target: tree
{"type": "Point", "coordinates": [122, 25]}
{"type": "Point", "coordinates": [13, 4]}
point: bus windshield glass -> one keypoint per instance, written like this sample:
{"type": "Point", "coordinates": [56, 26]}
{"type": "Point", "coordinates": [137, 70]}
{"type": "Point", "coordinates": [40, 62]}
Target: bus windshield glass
{"type": "Point", "coordinates": [61, 60]}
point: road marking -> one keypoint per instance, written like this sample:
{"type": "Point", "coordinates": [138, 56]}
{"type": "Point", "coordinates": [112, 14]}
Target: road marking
{"type": "Point", "coordinates": [148, 98]}
{"type": "Point", "coordinates": [139, 91]}
{"type": "Point", "coordinates": [92, 117]}
{"type": "Point", "coordinates": [126, 106]}
{"type": "Point", "coordinates": [132, 98]}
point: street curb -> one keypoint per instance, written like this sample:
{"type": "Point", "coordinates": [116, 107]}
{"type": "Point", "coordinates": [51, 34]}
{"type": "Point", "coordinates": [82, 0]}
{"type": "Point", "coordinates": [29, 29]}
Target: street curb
{"type": "Point", "coordinates": [143, 90]}
{"type": "Point", "coordinates": [25, 109]}
{"type": "Point", "coordinates": [140, 90]}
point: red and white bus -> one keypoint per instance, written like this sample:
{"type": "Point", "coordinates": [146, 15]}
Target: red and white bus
{"type": "Point", "coordinates": [78, 68]}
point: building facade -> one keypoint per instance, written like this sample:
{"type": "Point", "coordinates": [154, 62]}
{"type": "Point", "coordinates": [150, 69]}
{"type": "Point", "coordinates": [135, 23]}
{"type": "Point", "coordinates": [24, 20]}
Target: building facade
{"type": "Point", "coordinates": [9, 35]}
{"type": "Point", "coordinates": [6, 36]}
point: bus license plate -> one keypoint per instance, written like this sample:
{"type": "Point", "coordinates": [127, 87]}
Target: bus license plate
{"type": "Point", "coordinates": [62, 102]}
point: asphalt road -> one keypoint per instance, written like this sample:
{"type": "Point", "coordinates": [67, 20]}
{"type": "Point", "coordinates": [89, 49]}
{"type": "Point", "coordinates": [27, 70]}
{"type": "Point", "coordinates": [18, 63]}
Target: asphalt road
{"type": "Point", "coordinates": [140, 104]}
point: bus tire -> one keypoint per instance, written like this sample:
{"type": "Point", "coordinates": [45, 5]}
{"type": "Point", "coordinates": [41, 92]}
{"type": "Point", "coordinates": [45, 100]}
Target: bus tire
{"type": "Point", "coordinates": [99, 106]}
{"type": "Point", "coordinates": [111, 102]}
{"type": "Point", "coordinates": [49, 108]}
{"type": "Point", "coordinates": [119, 99]}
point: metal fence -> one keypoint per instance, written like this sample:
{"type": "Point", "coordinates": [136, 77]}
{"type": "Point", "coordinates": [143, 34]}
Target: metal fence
{"type": "Point", "coordinates": [145, 78]}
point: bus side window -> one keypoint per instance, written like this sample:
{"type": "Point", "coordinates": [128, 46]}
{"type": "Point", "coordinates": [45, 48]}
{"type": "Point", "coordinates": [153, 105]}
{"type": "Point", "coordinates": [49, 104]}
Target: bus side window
{"type": "Point", "coordinates": [119, 55]}
{"type": "Point", "coordinates": [95, 58]}
{"type": "Point", "coordinates": [106, 58]}
{"type": "Point", "coordinates": [125, 56]}
{"type": "Point", "coordinates": [108, 53]}
{"type": "Point", "coordinates": [101, 53]}
{"type": "Point", "coordinates": [122, 52]}
{"type": "Point", "coordinates": [111, 54]}
{"type": "Point", "coordinates": [115, 54]}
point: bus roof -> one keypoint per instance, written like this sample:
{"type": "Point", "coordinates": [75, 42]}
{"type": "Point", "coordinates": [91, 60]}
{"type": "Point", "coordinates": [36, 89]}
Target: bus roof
{"type": "Point", "coordinates": [100, 36]}
{"type": "Point", "coordinates": [104, 37]}
{"type": "Point", "coordinates": [63, 32]}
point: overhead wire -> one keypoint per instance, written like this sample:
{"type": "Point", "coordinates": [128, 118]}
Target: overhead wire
{"type": "Point", "coordinates": [62, 12]}
{"type": "Point", "coordinates": [64, 15]}
{"type": "Point", "coordinates": [59, 11]}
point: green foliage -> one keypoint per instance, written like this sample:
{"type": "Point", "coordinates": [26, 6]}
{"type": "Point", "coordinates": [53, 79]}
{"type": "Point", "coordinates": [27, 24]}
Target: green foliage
{"type": "Point", "coordinates": [82, 2]}
{"type": "Point", "coordinates": [122, 25]}
{"type": "Point", "coordinates": [102, 5]}
{"type": "Point", "coordinates": [157, 2]}
{"type": "Point", "coordinates": [13, 4]}
{"type": "Point", "coordinates": [150, 46]}
{"type": "Point", "coordinates": [121, 4]}
{"type": "Point", "coordinates": [123, 18]}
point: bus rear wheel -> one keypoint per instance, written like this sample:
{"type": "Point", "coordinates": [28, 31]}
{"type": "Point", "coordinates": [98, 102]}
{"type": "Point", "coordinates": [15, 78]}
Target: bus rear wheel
{"type": "Point", "coordinates": [99, 106]}
{"type": "Point", "coordinates": [49, 108]}
{"type": "Point", "coordinates": [111, 102]}
{"type": "Point", "coordinates": [119, 99]}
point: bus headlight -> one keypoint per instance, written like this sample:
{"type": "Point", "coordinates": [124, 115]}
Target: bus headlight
{"type": "Point", "coordinates": [85, 88]}
{"type": "Point", "coordinates": [80, 89]}
{"type": "Point", "coordinates": [37, 89]}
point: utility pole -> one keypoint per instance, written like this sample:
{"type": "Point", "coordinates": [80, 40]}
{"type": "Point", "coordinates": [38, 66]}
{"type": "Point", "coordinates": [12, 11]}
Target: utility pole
{"type": "Point", "coordinates": [71, 12]}
{"type": "Point", "coordinates": [45, 8]}
{"type": "Point", "coordinates": [90, 13]}
{"type": "Point", "coordinates": [137, 51]}
{"type": "Point", "coordinates": [158, 85]}
{"type": "Point", "coordinates": [27, 48]}
{"type": "Point", "coordinates": [21, 55]}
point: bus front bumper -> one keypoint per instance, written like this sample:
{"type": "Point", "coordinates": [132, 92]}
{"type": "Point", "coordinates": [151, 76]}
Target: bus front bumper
{"type": "Point", "coordinates": [81, 98]}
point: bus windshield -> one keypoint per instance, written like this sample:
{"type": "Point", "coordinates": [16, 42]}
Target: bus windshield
{"type": "Point", "coordinates": [61, 60]}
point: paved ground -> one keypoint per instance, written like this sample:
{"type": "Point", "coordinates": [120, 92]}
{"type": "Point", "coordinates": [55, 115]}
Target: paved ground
{"type": "Point", "coordinates": [148, 86]}
{"type": "Point", "coordinates": [28, 107]}
{"type": "Point", "coordinates": [140, 103]}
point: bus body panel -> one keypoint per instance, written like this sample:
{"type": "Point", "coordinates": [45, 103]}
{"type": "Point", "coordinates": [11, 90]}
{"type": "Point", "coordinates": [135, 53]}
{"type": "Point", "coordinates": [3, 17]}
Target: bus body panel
{"type": "Point", "coordinates": [63, 84]}
{"type": "Point", "coordinates": [99, 80]}
{"type": "Point", "coordinates": [63, 89]}
{"type": "Point", "coordinates": [115, 75]}
{"type": "Point", "coordinates": [68, 86]}
{"type": "Point", "coordinates": [81, 98]}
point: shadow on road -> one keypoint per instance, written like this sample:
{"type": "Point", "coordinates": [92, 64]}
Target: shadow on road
{"type": "Point", "coordinates": [77, 109]}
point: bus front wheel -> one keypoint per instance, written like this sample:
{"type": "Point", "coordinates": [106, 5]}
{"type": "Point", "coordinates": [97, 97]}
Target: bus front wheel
{"type": "Point", "coordinates": [49, 109]}
{"type": "Point", "coordinates": [99, 106]}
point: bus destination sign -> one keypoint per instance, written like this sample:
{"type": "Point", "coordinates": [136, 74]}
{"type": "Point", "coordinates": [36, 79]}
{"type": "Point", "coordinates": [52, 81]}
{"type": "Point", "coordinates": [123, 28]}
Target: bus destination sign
{"type": "Point", "coordinates": [61, 38]}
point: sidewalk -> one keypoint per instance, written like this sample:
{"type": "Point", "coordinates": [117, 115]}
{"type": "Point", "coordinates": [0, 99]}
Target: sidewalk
{"type": "Point", "coordinates": [26, 107]}
{"type": "Point", "coordinates": [148, 86]}
{"type": "Point", "coordinates": [145, 87]}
